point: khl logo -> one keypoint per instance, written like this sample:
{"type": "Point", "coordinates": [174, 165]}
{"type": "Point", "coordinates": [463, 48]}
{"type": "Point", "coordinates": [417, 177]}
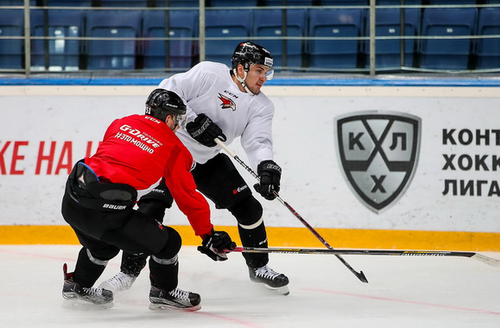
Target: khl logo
{"type": "Point", "coordinates": [379, 154]}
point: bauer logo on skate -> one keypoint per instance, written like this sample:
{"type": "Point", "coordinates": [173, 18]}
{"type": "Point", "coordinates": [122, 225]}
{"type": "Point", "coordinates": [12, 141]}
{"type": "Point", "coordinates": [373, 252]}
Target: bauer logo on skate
{"type": "Point", "coordinates": [379, 153]}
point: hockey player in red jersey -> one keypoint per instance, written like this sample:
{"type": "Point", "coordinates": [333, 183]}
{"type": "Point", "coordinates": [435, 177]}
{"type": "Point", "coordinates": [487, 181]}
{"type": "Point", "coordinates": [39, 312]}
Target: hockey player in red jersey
{"type": "Point", "coordinates": [228, 103]}
{"type": "Point", "coordinates": [138, 154]}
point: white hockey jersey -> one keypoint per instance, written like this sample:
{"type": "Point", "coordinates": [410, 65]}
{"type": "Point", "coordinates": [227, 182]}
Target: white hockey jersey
{"type": "Point", "coordinates": [209, 89]}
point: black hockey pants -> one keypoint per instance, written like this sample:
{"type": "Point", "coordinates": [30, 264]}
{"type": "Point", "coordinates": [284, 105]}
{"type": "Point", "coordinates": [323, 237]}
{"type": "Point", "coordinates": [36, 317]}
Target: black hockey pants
{"type": "Point", "coordinates": [104, 232]}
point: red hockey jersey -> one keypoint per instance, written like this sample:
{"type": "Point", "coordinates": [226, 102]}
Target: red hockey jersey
{"type": "Point", "coordinates": [140, 150]}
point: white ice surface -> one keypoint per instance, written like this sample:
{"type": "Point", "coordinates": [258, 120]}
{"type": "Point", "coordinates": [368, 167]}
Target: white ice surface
{"type": "Point", "coordinates": [421, 292]}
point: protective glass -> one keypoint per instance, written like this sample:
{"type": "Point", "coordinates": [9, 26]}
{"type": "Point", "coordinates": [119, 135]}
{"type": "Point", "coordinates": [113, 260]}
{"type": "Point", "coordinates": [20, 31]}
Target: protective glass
{"type": "Point", "coordinates": [268, 72]}
{"type": "Point", "coordinates": [177, 118]}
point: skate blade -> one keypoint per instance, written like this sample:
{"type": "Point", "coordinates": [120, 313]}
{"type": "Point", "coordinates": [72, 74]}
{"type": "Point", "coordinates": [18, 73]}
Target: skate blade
{"type": "Point", "coordinates": [165, 307]}
{"type": "Point", "coordinates": [77, 304]}
{"type": "Point", "coordinates": [279, 290]}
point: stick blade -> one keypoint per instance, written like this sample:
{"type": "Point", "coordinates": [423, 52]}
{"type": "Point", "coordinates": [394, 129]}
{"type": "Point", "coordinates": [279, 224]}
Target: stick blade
{"type": "Point", "coordinates": [486, 259]}
{"type": "Point", "coordinates": [361, 276]}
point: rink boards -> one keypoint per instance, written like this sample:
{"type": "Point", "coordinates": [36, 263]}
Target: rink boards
{"type": "Point", "coordinates": [385, 166]}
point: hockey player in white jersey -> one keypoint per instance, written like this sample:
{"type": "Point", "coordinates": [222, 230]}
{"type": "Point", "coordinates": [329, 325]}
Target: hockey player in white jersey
{"type": "Point", "coordinates": [228, 103]}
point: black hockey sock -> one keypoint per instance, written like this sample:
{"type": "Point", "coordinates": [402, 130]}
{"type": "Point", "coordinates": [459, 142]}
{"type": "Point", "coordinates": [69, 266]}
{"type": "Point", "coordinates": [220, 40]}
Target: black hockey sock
{"type": "Point", "coordinates": [164, 273]}
{"type": "Point", "coordinates": [88, 268]}
{"type": "Point", "coordinates": [256, 237]}
{"type": "Point", "coordinates": [132, 264]}
{"type": "Point", "coordinates": [164, 266]}
{"type": "Point", "coordinates": [252, 230]}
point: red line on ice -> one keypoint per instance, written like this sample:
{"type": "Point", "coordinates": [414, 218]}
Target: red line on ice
{"type": "Point", "coordinates": [378, 298]}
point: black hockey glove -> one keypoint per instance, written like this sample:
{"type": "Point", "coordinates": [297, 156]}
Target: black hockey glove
{"type": "Point", "coordinates": [203, 130]}
{"type": "Point", "coordinates": [215, 244]}
{"type": "Point", "coordinates": [270, 176]}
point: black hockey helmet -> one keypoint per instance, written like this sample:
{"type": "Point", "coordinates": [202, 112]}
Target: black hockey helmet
{"type": "Point", "coordinates": [161, 103]}
{"type": "Point", "coordinates": [247, 53]}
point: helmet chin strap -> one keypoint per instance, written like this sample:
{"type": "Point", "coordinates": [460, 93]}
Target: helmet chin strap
{"type": "Point", "coordinates": [242, 81]}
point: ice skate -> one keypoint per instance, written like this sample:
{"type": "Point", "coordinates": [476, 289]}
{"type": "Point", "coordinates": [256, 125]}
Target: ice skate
{"type": "Point", "coordinates": [72, 291]}
{"type": "Point", "coordinates": [118, 283]}
{"type": "Point", "coordinates": [273, 280]}
{"type": "Point", "coordinates": [177, 299]}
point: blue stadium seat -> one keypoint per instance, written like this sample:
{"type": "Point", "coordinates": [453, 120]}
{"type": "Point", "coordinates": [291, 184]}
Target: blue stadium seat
{"type": "Point", "coordinates": [398, 2]}
{"type": "Point", "coordinates": [344, 2]}
{"type": "Point", "coordinates": [233, 3]}
{"type": "Point", "coordinates": [268, 23]}
{"type": "Point", "coordinates": [62, 54]}
{"type": "Point", "coordinates": [488, 50]}
{"type": "Point", "coordinates": [388, 24]}
{"type": "Point", "coordinates": [112, 54]}
{"type": "Point", "coordinates": [123, 3]}
{"type": "Point", "coordinates": [335, 23]}
{"type": "Point", "coordinates": [223, 24]}
{"type": "Point", "coordinates": [11, 50]}
{"type": "Point", "coordinates": [16, 2]}
{"type": "Point", "coordinates": [182, 24]}
{"type": "Point", "coordinates": [178, 3]}
{"type": "Point", "coordinates": [447, 54]}
{"type": "Point", "coordinates": [290, 3]}
{"type": "Point", "coordinates": [172, 3]}
{"type": "Point", "coordinates": [452, 2]}
{"type": "Point", "coordinates": [69, 3]}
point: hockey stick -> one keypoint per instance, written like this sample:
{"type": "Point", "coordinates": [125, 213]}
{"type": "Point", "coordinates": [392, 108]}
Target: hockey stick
{"type": "Point", "coordinates": [482, 258]}
{"type": "Point", "coordinates": [360, 275]}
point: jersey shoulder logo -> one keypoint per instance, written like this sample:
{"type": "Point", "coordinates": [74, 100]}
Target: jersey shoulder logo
{"type": "Point", "coordinates": [227, 103]}
{"type": "Point", "coordinates": [379, 153]}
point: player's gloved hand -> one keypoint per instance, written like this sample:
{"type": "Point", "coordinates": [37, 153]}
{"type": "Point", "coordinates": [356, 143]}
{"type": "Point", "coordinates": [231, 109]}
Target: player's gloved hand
{"type": "Point", "coordinates": [270, 176]}
{"type": "Point", "coordinates": [216, 244]}
{"type": "Point", "coordinates": [204, 130]}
